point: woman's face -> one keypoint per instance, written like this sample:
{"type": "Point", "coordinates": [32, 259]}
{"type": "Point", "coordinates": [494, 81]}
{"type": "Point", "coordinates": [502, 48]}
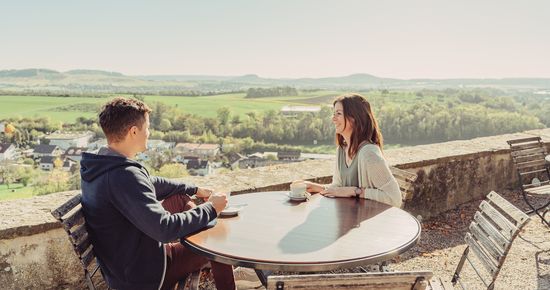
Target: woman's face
{"type": "Point", "coordinates": [342, 127]}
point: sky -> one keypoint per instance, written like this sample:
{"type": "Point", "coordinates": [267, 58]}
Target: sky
{"type": "Point", "coordinates": [280, 38]}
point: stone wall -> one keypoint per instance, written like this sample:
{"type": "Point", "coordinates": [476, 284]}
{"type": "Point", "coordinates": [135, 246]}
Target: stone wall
{"type": "Point", "coordinates": [36, 254]}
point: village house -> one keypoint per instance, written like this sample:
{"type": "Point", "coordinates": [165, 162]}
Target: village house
{"type": "Point", "coordinates": [288, 155]}
{"type": "Point", "coordinates": [97, 144]}
{"type": "Point", "coordinates": [197, 149]}
{"type": "Point", "coordinates": [199, 167]}
{"type": "Point", "coordinates": [74, 153]}
{"type": "Point", "coordinates": [68, 165]}
{"type": "Point", "coordinates": [7, 151]}
{"type": "Point", "coordinates": [233, 159]}
{"type": "Point", "coordinates": [46, 150]}
{"type": "Point", "coordinates": [159, 145]}
{"type": "Point", "coordinates": [46, 163]}
{"type": "Point", "coordinates": [70, 139]}
{"type": "Point", "coordinates": [292, 111]}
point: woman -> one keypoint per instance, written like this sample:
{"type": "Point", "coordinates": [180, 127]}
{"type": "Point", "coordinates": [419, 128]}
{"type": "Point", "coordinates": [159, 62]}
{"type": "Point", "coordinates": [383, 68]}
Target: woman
{"type": "Point", "coordinates": [361, 170]}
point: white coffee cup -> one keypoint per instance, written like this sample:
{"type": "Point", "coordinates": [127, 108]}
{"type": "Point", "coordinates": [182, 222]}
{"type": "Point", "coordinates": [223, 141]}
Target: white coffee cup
{"type": "Point", "coordinates": [298, 189]}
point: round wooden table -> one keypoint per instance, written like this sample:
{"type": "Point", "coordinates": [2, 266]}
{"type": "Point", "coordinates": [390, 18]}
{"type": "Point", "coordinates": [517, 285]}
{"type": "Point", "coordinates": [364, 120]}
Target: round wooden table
{"type": "Point", "coordinates": [321, 234]}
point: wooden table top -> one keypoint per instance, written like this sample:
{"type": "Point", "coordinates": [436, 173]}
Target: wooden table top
{"type": "Point", "coordinates": [274, 233]}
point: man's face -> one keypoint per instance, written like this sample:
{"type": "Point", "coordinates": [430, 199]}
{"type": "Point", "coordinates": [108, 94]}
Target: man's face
{"type": "Point", "coordinates": [142, 135]}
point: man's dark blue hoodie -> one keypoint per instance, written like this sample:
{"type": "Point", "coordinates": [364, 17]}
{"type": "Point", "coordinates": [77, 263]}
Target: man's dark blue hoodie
{"type": "Point", "coordinates": [126, 222]}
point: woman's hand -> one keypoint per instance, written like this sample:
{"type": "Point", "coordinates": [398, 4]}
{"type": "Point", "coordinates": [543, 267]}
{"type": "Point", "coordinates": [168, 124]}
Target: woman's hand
{"type": "Point", "coordinates": [339, 192]}
{"type": "Point", "coordinates": [204, 193]}
{"type": "Point", "coordinates": [313, 187]}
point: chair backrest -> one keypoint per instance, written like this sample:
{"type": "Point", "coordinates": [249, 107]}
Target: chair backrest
{"type": "Point", "coordinates": [405, 179]}
{"type": "Point", "coordinates": [386, 280]}
{"type": "Point", "coordinates": [70, 215]}
{"type": "Point", "coordinates": [528, 155]}
{"type": "Point", "coordinates": [490, 237]}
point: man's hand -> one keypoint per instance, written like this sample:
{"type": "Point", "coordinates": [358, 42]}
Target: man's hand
{"type": "Point", "coordinates": [219, 201]}
{"type": "Point", "coordinates": [204, 193]}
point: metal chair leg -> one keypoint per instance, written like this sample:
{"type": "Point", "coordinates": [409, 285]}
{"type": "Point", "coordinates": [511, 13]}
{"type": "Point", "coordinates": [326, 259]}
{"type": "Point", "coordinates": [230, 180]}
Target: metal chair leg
{"type": "Point", "coordinates": [536, 210]}
{"type": "Point", "coordinates": [262, 275]}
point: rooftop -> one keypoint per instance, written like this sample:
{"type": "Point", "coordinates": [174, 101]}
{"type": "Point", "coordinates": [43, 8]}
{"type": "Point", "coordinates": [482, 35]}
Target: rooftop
{"type": "Point", "coordinates": [196, 146]}
{"type": "Point", "coordinates": [68, 135]}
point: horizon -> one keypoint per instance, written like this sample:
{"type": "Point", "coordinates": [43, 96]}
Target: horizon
{"type": "Point", "coordinates": [283, 39]}
{"type": "Point", "coordinates": [275, 78]}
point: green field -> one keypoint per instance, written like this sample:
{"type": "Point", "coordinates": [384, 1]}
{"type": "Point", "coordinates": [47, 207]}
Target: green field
{"type": "Point", "coordinates": [15, 191]}
{"type": "Point", "coordinates": [66, 109]}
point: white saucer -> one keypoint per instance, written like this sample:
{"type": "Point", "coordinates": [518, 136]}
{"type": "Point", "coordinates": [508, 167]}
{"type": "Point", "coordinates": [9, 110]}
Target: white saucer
{"type": "Point", "coordinates": [295, 198]}
{"type": "Point", "coordinates": [232, 210]}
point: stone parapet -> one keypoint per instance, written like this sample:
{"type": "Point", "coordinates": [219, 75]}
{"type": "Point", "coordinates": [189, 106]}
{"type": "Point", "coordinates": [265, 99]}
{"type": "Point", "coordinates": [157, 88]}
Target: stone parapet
{"type": "Point", "coordinates": [449, 174]}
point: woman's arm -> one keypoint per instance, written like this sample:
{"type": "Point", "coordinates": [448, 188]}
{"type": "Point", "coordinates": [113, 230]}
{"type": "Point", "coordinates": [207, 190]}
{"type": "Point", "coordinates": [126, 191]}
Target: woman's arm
{"type": "Point", "coordinates": [313, 187]}
{"type": "Point", "coordinates": [375, 176]}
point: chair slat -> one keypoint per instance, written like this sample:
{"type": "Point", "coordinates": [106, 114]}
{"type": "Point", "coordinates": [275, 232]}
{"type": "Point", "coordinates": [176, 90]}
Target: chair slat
{"type": "Point", "coordinates": [88, 257]}
{"type": "Point", "coordinates": [506, 227]}
{"type": "Point", "coordinates": [519, 216]}
{"type": "Point", "coordinates": [77, 234]}
{"type": "Point", "coordinates": [62, 210]}
{"type": "Point", "coordinates": [528, 152]}
{"type": "Point", "coordinates": [485, 260]}
{"type": "Point", "coordinates": [545, 189]}
{"type": "Point", "coordinates": [75, 219]}
{"type": "Point", "coordinates": [527, 186]}
{"type": "Point", "coordinates": [81, 247]}
{"type": "Point", "coordinates": [404, 186]}
{"type": "Point", "coordinates": [523, 140]}
{"type": "Point", "coordinates": [493, 232]}
{"type": "Point", "coordinates": [526, 146]}
{"type": "Point", "coordinates": [491, 248]}
{"type": "Point", "coordinates": [386, 280]}
{"type": "Point", "coordinates": [532, 163]}
{"type": "Point", "coordinates": [403, 174]}
{"type": "Point", "coordinates": [532, 171]}
{"type": "Point", "coordinates": [405, 180]}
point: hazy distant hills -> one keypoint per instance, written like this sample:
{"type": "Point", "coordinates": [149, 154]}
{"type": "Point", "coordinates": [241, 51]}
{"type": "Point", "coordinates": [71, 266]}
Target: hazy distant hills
{"type": "Point", "coordinates": [93, 81]}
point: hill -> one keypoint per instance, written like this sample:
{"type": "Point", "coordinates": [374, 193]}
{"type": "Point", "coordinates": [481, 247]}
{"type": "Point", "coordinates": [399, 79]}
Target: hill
{"type": "Point", "coordinates": [97, 81]}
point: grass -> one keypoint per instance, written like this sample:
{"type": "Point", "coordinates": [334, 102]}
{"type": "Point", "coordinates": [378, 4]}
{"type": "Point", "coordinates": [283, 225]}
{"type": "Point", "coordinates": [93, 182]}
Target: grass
{"type": "Point", "coordinates": [55, 107]}
{"type": "Point", "coordinates": [42, 106]}
{"type": "Point", "coordinates": [16, 191]}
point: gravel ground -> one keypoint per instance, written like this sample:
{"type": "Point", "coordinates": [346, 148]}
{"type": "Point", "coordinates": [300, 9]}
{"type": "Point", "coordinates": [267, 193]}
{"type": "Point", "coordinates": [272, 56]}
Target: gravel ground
{"type": "Point", "coordinates": [527, 265]}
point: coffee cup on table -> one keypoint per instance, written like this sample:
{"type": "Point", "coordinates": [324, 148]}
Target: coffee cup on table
{"type": "Point", "coordinates": [298, 189]}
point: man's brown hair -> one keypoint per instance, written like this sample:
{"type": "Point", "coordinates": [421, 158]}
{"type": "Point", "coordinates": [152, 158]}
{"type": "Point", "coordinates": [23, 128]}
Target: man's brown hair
{"type": "Point", "coordinates": [119, 115]}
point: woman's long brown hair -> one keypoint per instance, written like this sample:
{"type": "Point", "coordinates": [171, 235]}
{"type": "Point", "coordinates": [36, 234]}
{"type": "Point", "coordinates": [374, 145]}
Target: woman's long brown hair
{"type": "Point", "coordinates": [365, 127]}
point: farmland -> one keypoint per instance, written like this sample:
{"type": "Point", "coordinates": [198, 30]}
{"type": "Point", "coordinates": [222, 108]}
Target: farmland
{"type": "Point", "coordinates": [67, 109]}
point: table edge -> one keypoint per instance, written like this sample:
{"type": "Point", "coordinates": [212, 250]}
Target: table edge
{"type": "Point", "coordinates": [297, 267]}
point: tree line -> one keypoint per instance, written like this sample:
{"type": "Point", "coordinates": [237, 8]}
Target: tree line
{"type": "Point", "coordinates": [457, 115]}
{"type": "Point", "coordinates": [271, 92]}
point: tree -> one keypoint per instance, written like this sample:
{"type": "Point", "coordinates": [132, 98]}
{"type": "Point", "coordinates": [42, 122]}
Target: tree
{"type": "Point", "coordinates": [223, 115]}
{"type": "Point", "coordinates": [9, 129]}
{"type": "Point", "coordinates": [8, 173]}
{"type": "Point", "coordinates": [165, 125]}
{"type": "Point", "coordinates": [173, 170]}
{"type": "Point", "coordinates": [58, 163]}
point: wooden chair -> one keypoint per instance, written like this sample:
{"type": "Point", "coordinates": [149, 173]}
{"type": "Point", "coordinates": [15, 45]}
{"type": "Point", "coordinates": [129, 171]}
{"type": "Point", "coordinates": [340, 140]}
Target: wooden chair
{"type": "Point", "coordinates": [528, 155]}
{"type": "Point", "coordinates": [489, 239]}
{"type": "Point", "coordinates": [74, 225]}
{"type": "Point", "coordinates": [387, 280]}
{"type": "Point", "coordinates": [71, 217]}
{"type": "Point", "coordinates": [405, 179]}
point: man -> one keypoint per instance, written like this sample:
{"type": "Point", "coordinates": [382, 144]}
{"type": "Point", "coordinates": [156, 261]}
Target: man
{"type": "Point", "coordinates": [130, 228]}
